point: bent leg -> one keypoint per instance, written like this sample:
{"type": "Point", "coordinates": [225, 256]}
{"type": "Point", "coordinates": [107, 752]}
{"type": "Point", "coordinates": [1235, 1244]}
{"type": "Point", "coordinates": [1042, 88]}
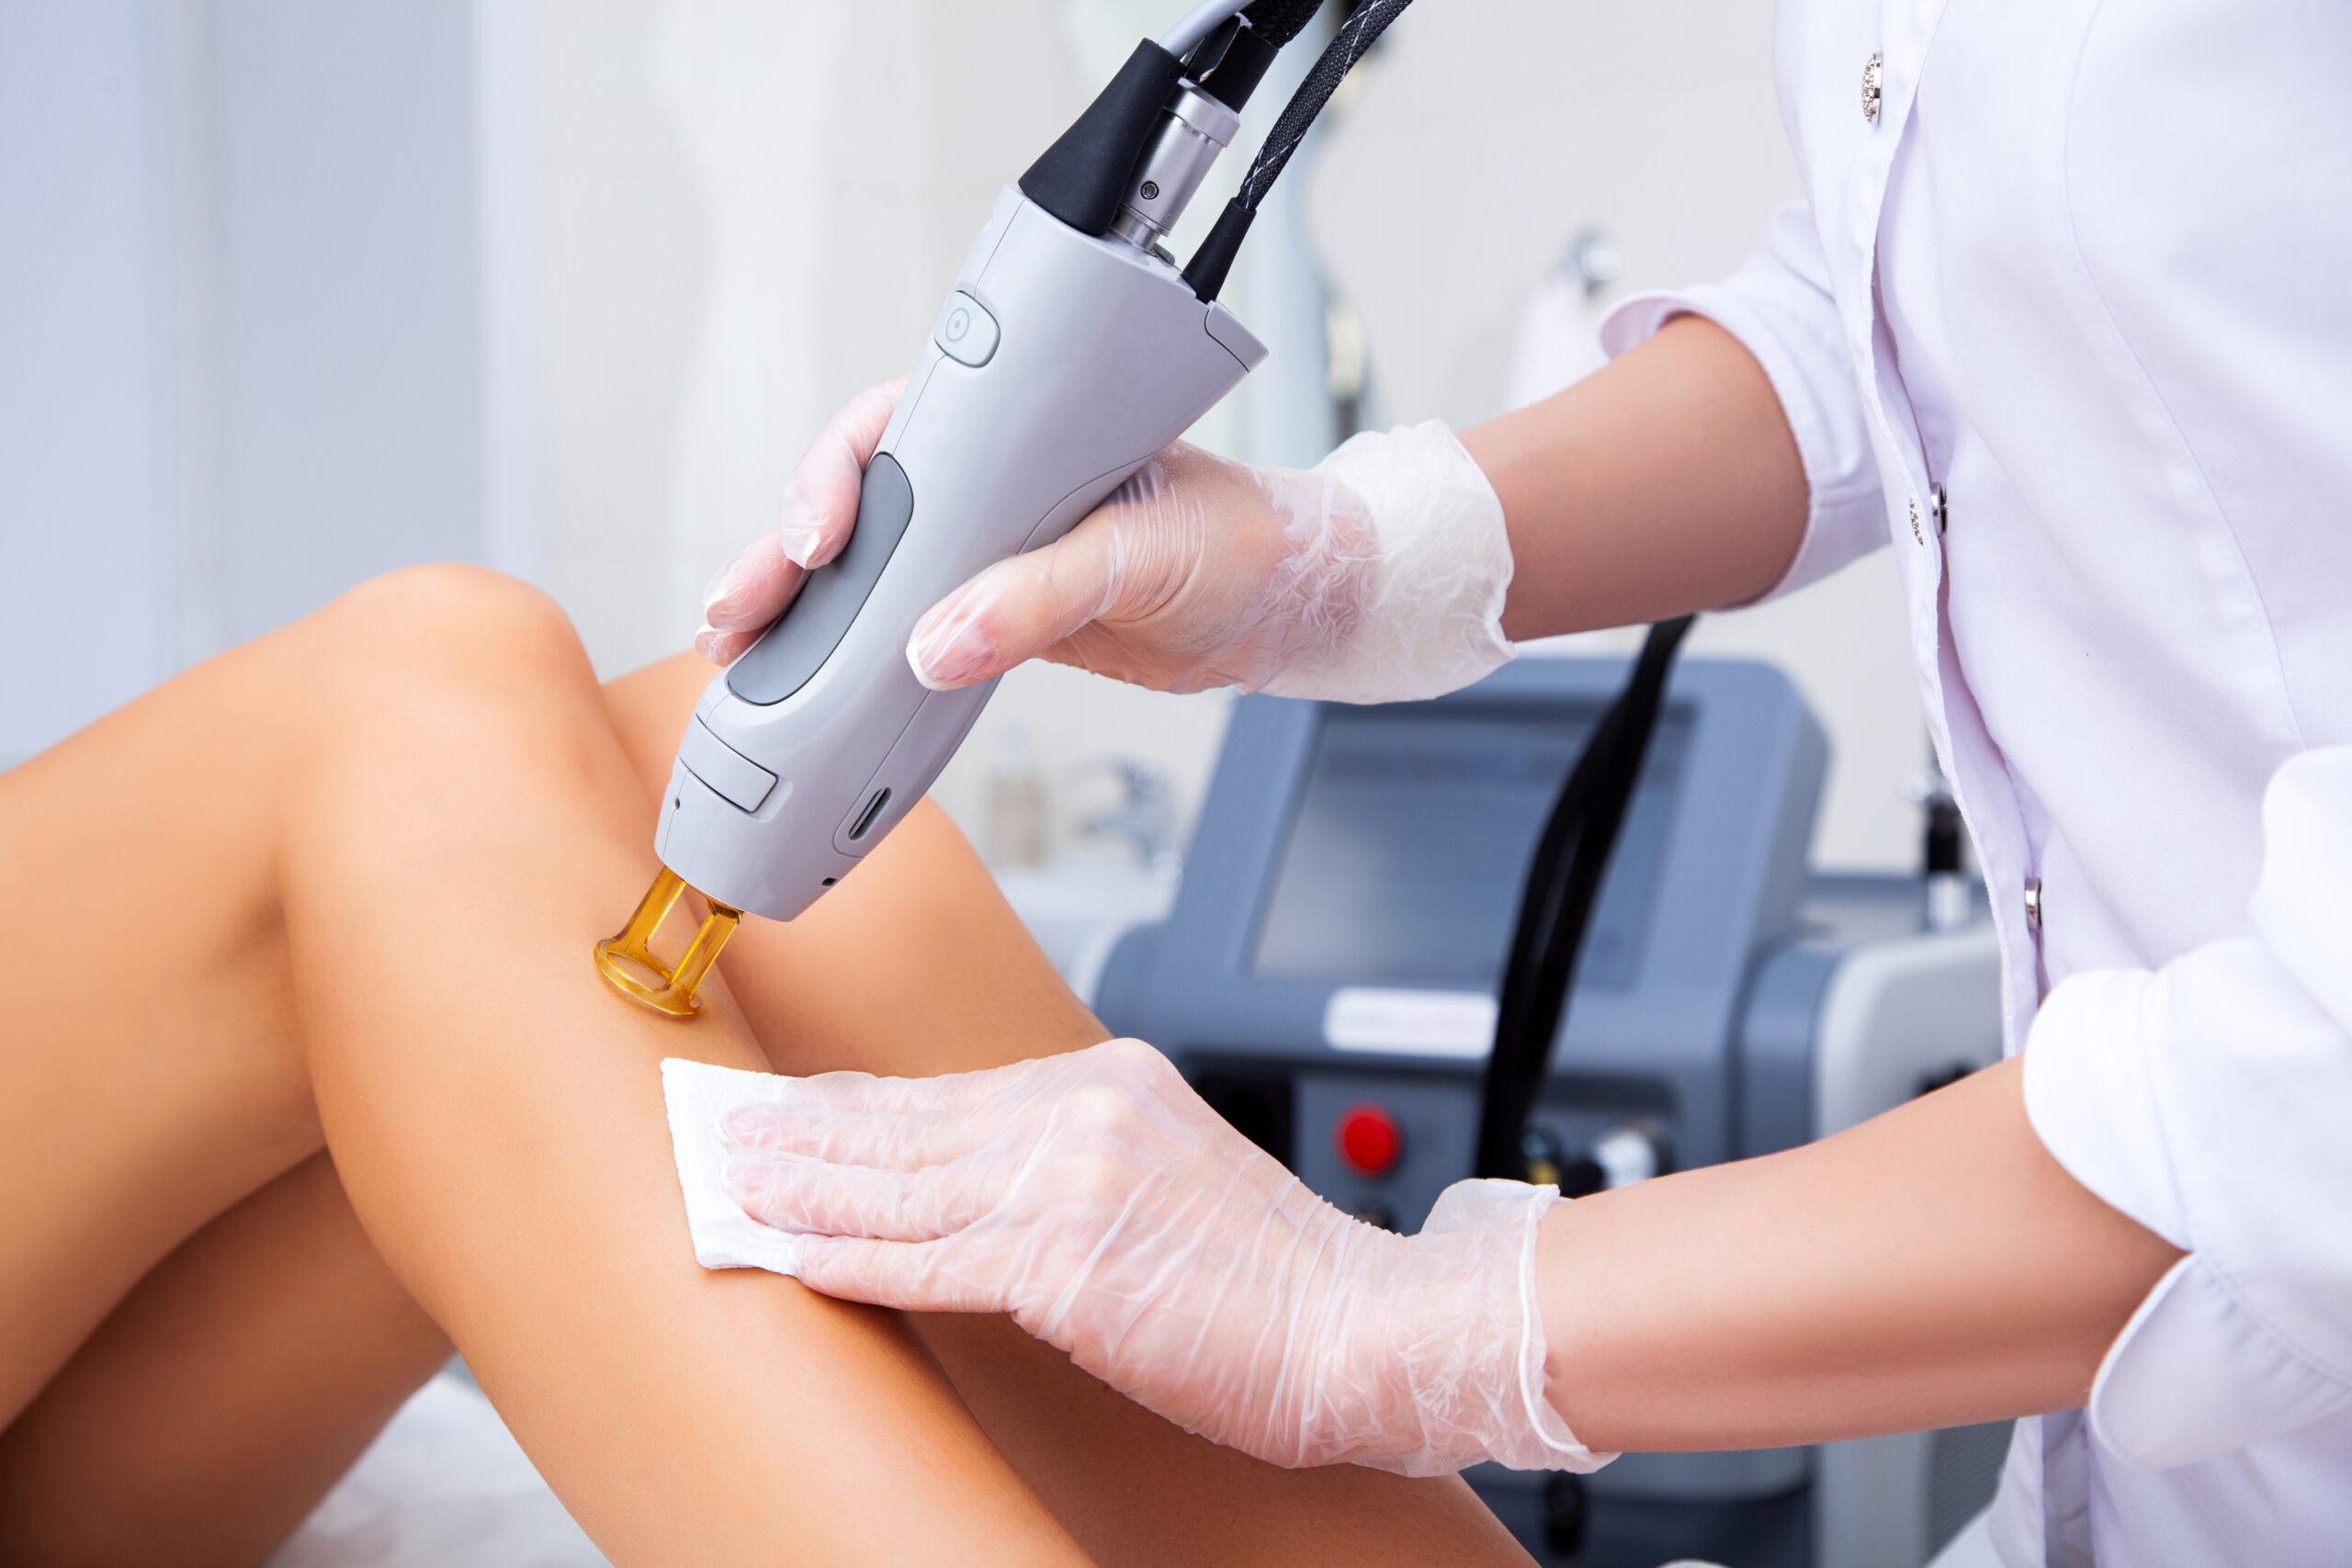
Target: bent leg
{"type": "Point", "coordinates": [394, 829]}
{"type": "Point", "coordinates": [915, 966]}
{"type": "Point", "coordinates": [214, 1407]}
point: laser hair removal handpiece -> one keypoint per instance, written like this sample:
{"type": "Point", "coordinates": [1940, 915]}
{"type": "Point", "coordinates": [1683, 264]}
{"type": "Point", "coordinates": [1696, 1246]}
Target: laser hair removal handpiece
{"type": "Point", "coordinates": [1068, 353]}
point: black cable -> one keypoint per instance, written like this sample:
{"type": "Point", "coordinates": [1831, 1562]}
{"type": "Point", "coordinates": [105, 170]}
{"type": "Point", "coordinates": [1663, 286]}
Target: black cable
{"type": "Point", "coordinates": [1279, 21]}
{"type": "Point", "coordinates": [1555, 905]}
{"type": "Point", "coordinates": [1355, 37]}
{"type": "Point", "coordinates": [1207, 269]}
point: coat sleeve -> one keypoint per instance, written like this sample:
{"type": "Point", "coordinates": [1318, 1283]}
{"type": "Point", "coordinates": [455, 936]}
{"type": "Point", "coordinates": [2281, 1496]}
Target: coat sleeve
{"type": "Point", "coordinates": [2211, 1101]}
{"type": "Point", "coordinates": [1780, 307]}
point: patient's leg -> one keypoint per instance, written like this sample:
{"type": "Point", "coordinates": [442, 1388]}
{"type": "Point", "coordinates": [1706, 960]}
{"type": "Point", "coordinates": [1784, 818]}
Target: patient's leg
{"type": "Point", "coordinates": [353, 872]}
{"type": "Point", "coordinates": [214, 1407]}
{"type": "Point", "coordinates": [915, 966]}
{"type": "Point", "coordinates": [234, 1377]}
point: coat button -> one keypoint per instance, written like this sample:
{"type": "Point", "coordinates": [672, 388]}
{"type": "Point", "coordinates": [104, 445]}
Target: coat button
{"type": "Point", "coordinates": [1871, 72]}
{"type": "Point", "coordinates": [1938, 509]}
{"type": "Point", "coordinates": [2034, 903]}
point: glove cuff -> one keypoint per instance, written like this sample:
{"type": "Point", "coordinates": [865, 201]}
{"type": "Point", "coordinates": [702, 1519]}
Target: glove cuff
{"type": "Point", "coordinates": [1545, 1443]}
{"type": "Point", "coordinates": [1433, 621]}
{"type": "Point", "coordinates": [1469, 1335]}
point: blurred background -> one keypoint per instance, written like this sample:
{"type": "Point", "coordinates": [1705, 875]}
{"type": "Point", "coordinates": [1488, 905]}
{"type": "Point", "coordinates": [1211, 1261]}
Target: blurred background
{"type": "Point", "coordinates": [295, 291]}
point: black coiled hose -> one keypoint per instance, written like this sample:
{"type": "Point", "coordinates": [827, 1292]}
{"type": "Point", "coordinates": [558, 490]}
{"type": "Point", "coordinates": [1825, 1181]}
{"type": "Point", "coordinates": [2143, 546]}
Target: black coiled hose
{"type": "Point", "coordinates": [1207, 270]}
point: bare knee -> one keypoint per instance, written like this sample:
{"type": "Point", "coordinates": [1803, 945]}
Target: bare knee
{"type": "Point", "coordinates": [451, 615]}
{"type": "Point", "coordinates": [439, 669]}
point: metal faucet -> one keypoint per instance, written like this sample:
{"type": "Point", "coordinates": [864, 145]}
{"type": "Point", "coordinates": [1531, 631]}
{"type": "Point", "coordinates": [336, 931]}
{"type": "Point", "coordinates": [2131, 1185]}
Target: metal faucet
{"type": "Point", "coordinates": [1146, 819]}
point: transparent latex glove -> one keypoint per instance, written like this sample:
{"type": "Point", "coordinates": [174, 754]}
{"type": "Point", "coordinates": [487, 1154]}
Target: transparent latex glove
{"type": "Point", "coordinates": [1377, 576]}
{"type": "Point", "coordinates": [1101, 1202]}
{"type": "Point", "coordinates": [819, 511]}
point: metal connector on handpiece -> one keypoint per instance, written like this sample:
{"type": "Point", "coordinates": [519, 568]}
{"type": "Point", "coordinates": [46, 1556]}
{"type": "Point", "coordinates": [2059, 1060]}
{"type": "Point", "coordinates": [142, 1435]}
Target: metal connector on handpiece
{"type": "Point", "coordinates": [1196, 128]}
{"type": "Point", "coordinates": [627, 959]}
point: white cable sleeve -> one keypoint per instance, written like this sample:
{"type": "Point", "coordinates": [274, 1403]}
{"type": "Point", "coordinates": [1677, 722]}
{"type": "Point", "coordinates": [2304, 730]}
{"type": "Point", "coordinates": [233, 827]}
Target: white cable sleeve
{"type": "Point", "coordinates": [1199, 22]}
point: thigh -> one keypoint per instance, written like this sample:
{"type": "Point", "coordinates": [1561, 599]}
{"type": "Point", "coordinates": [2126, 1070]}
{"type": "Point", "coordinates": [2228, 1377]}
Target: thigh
{"type": "Point", "coordinates": [221, 1400]}
{"type": "Point", "coordinates": [150, 1070]}
{"type": "Point", "coordinates": [467, 830]}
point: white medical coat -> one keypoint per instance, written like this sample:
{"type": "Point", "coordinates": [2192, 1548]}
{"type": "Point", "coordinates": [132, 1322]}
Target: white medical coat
{"type": "Point", "coordinates": [2085, 273]}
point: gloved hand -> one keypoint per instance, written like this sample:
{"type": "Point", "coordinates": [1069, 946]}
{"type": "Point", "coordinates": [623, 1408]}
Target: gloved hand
{"type": "Point", "coordinates": [1377, 576]}
{"type": "Point", "coordinates": [819, 512]}
{"type": "Point", "coordinates": [1101, 1202]}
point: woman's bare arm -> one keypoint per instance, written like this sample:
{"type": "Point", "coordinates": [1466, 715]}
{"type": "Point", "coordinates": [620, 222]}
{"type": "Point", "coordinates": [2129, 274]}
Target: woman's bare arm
{"type": "Point", "coordinates": [1931, 1266]}
{"type": "Point", "coordinates": [1667, 482]}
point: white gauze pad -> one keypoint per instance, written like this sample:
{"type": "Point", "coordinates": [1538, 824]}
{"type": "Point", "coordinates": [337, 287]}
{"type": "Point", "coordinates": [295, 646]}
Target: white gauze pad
{"type": "Point", "coordinates": [699, 1096]}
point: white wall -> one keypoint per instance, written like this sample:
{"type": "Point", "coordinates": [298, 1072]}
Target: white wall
{"type": "Point", "coordinates": [246, 319]}
{"type": "Point", "coordinates": [346, 407]}
{"type": "Point", "coordinates": [89, 557]}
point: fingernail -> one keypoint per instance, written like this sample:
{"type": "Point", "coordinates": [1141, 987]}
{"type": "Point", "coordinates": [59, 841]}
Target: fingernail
{"type": "Point", "coordinates": [722, 599]}
{"type": "Point", "coordinates": [745, 1122]}
{"type": "Point", "coordinates": [799, 533]}
{"type": "Point", "coordinates": [724, 647]}
{"type": "Point", "coordinates": [949, 651]}
{"type": "Point", "coordinates": [740, 1174]}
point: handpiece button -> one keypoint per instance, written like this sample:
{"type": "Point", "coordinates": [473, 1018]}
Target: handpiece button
{"type": "Point", "coordinates": [967, 332]}
{"type": "Point", "coordinates": [1369, 1140]}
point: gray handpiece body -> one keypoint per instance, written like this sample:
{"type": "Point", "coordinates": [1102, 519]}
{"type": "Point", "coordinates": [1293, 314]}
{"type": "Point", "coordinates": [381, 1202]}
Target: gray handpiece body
{"type": "Point", "coordinates": [1059, 364]}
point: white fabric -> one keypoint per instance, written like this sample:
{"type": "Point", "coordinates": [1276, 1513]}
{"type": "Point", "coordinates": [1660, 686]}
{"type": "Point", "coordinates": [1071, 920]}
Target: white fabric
{"type": "Point", "coordinates": [2084, 270]}
{"type": "Point", "coordinates": [697, 1095]}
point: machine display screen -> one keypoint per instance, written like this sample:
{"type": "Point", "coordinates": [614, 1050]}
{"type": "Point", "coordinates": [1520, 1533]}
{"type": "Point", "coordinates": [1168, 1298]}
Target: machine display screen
{"type": "Point", "coordinates": [1411, 842]}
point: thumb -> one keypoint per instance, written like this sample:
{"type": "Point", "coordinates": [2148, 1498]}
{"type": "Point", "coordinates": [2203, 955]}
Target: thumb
{"type": "Point", "coordinates": [1018, 608]}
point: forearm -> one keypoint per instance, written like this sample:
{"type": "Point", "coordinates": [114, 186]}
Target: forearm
{"type": "Point", "coordinates": [1931, 1266]}
{"type": "Point", "coordinates": [1666, 482]}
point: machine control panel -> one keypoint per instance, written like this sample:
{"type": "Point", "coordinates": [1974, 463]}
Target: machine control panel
{"type": "Point", "coordinates": [1348, 852]}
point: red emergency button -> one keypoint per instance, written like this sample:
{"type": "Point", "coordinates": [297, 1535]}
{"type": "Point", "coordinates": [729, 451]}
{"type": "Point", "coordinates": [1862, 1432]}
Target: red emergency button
{"type": "Point", "coordinates": [1369, 1140]}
